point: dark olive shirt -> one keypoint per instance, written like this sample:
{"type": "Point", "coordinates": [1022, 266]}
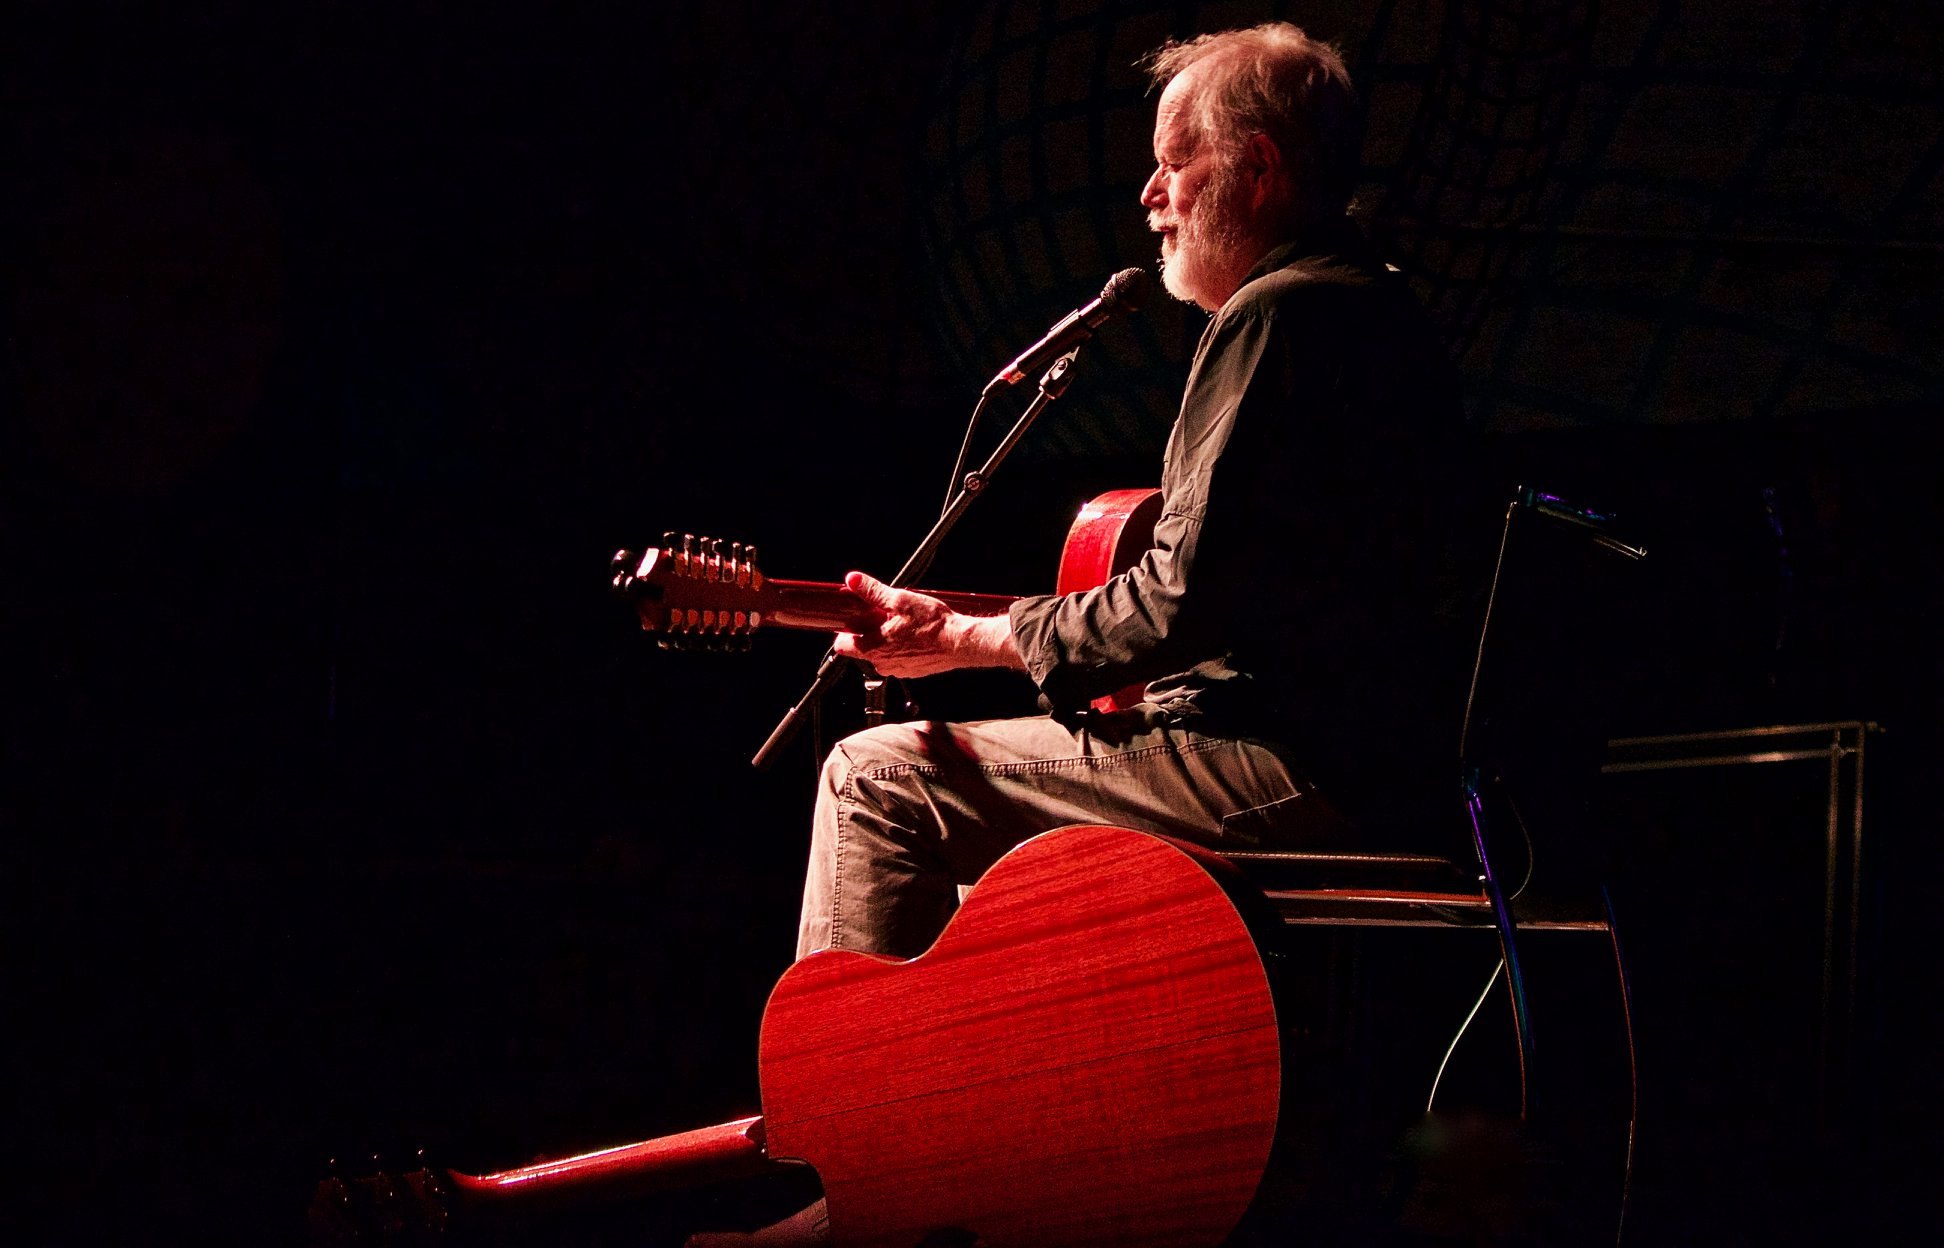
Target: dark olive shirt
{"type": "Point", "coordinates": [1304, 585]}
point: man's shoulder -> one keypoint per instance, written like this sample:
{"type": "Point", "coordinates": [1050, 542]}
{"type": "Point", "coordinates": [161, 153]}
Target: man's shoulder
{"type": "Point", "coordinates": [1316, 283]}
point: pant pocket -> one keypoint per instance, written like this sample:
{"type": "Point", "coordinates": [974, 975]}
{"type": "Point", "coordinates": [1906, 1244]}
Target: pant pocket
{"type": "Point", "coordinates": [1303, 820]}
{"type": "Point", "coordinates": [1268, 823]}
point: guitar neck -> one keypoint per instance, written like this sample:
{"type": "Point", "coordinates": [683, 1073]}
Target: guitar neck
{"type": "Point", "coordinates": [419, 1206]}
{"type": "Point", "coordinates": [715, 1154]}
{"type": "Point", "coordinates": [708, 592]}
{"type": "Point", "coordinates": [825, 607]}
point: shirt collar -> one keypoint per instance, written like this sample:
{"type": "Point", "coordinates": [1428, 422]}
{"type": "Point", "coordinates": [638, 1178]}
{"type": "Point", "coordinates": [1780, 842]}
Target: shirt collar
{"type": "Point", "coordinates": [1336, 237]}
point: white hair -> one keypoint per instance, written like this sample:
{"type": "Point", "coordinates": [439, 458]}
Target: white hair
{"type": "Point", "coordinates": [1274, 80]}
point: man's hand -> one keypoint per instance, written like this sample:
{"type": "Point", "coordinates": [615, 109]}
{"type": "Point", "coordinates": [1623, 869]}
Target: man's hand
{"type": "Point", "coordinates": [917, 635]}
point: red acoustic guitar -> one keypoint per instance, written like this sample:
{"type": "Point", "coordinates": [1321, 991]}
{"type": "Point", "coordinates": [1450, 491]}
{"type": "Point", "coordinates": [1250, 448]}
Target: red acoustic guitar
{"type": "Point", "coordinates": [1089, 1055]}
{"type": "Point", "coordinates": [705, 591]}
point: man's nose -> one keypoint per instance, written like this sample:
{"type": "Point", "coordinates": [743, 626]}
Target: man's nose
{"type": "Point", "coordinates": [1154, 194]}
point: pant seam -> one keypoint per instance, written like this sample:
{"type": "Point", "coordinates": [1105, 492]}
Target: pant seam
{"type": "Point", "coordinates": [1040, 766]}
{"type": "Point", "coordinates": [846, 803]}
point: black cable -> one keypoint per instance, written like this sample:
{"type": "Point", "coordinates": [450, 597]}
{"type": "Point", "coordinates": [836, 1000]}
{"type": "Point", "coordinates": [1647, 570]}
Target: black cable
{"type": "Point", "coordinates": [1484, 631]}
{"type": "Point", "coordinates": [1525, 832]}
{"type": "Point", "coordinates": [964, 453]}
{"type": "Point", "coordinates": [1633, 1062]}
{"type": "Point", "coordinates": [817, 750]}
{"type": "Point", "coordinates": [1463, 1027]}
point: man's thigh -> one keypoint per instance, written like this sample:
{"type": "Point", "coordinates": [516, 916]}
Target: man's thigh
{"type": "Point", "coordinates": [980, 788]}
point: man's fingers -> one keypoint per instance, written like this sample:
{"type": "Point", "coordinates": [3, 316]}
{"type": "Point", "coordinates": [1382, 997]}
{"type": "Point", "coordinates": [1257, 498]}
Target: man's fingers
{"type": "Point", "coordinates": [872, 590]}
{"type": "Point", "coordinates": [856, 645]}
{"type": "Point", "coordinates": [889, 599]}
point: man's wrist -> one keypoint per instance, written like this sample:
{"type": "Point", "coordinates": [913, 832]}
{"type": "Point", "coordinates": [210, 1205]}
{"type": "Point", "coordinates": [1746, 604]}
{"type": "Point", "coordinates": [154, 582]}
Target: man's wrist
{"type": "Point", "coordinates": [986, 641]}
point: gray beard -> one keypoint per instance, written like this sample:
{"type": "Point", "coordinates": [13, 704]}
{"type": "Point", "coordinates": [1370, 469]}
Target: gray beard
{"type": "Point", "coordinates": [1210, 254]}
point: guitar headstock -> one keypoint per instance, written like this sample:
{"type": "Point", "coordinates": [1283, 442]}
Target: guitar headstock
{"type": "Point", "coordinates": [696, 592]}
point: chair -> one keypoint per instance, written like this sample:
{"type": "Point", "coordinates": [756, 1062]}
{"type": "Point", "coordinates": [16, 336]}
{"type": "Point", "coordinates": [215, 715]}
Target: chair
{"type": "Point", "coordinates": [1528, 754]}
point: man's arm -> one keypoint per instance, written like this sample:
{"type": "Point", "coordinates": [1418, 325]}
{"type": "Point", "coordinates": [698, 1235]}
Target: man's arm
{"type": "Point", "coordinates": [1183, 601]}
{"type": "Point", "coordinates": [917, 635]}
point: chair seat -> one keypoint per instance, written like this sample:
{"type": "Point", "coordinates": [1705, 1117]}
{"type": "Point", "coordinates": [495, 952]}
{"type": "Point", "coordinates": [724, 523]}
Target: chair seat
{"type": "Point", "coordinates": [1310, 889]}
{"type": "Point", "coordinates": [1378, 907]}
{"type": "Point", "coordinates": [1272, 869]}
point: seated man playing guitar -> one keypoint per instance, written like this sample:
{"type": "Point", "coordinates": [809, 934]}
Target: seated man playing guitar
{"type": "Point", "coordinates": [1291, 619]}
{"type": "Point", "coordinates": [1293, 622]}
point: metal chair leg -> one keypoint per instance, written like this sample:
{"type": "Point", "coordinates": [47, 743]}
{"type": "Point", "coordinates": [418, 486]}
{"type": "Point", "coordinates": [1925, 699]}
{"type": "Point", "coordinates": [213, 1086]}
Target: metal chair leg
{"type": "Point", "coordinates": [1508, 941]}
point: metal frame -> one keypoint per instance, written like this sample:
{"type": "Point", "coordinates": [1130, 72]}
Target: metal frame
{"type": "Point", "coordinates": [1392, 907]}
{"type": "Point", "coordinates": [1841, 745]}
{"type": "Point", "coordinates": [1408, 908]}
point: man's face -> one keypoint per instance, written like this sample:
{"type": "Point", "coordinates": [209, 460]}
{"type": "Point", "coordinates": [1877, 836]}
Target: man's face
{"type": "Point", "coordinates": [1195, 203]}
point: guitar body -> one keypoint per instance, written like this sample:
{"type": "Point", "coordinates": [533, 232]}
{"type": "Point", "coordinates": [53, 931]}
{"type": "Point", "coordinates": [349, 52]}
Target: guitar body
{"type": "Point", "coordinates": [1109, 536]}
{"type": "Point", "coordinates": [1088, 1055]}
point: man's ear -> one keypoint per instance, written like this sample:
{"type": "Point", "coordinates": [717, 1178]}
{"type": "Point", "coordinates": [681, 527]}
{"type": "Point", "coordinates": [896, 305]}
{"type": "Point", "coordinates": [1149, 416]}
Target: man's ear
{"type": "Point", "coordinates": [1264, 162]}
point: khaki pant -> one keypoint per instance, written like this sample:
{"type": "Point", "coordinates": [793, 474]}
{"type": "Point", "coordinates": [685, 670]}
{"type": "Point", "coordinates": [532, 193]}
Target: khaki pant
{"type": "Point", "coordinates": [909, 812]}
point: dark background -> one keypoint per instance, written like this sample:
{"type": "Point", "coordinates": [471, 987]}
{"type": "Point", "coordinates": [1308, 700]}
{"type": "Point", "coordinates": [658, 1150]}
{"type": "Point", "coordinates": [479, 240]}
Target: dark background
{"type": "Point", "coordinates": [344, 809]}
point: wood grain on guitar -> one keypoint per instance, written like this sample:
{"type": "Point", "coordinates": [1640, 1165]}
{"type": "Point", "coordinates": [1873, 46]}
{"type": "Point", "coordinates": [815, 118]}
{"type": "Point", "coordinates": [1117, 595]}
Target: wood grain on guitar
{"type": "Point", "coordinates": [1088, 1055]}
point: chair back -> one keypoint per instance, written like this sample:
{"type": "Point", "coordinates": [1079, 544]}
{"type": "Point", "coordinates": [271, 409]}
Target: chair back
{"type": "Point", "coordinates": [1544, 676]}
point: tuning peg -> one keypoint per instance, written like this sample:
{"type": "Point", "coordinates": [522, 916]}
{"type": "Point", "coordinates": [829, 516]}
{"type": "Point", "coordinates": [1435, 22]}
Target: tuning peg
{"type": "Point", "coordinates": [668, 540]}
{"type": "Point", "coordinates": [715, 558]}
{"type": "Point", "coordinates": [686, 563]}
{"type": "Point", "coordinates": [738, 565]}
{"type": "Point", "coordinates": [755, 576]}
{"type": "Point", "coordinates": [622, 568]}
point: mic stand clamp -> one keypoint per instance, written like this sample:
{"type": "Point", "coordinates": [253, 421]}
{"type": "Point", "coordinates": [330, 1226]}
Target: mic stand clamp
{"type": "Point", "coordinates": [874, 697]}
{"type": "Point", "coordinates": [832, 666]}
{"type": "Point", "coordinates": [886, 698]}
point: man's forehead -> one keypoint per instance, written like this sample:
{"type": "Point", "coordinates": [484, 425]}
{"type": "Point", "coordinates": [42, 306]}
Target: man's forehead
{"type": "Point", "coordinates": [1174, 119]}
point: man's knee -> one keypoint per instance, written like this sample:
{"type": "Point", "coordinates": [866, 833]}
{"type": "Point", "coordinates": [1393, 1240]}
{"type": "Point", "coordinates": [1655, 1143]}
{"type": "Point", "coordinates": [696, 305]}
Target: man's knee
{"type": "Point", "coordinates": [875, 773]}
{"type": "Point", "coordinates": [873, 750]}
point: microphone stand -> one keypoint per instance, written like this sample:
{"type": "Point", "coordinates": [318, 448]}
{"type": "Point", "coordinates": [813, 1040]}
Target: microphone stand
{"type": "Point", "coordinates": [833, 665]}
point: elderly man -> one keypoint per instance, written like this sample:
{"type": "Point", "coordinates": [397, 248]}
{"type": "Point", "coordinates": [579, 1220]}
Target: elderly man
{"type": "Point", "coordinates": [1290, 617]}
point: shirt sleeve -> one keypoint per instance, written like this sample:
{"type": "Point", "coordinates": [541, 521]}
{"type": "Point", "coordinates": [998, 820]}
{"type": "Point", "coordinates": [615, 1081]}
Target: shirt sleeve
{"type": "Point", "coordinates": [1177, 606]}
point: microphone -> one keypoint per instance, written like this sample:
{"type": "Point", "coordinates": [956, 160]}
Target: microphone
{"type": "Point", "coordinates": [1557, 508]}
{"type": "Point", "coordinates": [1123, 293]}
